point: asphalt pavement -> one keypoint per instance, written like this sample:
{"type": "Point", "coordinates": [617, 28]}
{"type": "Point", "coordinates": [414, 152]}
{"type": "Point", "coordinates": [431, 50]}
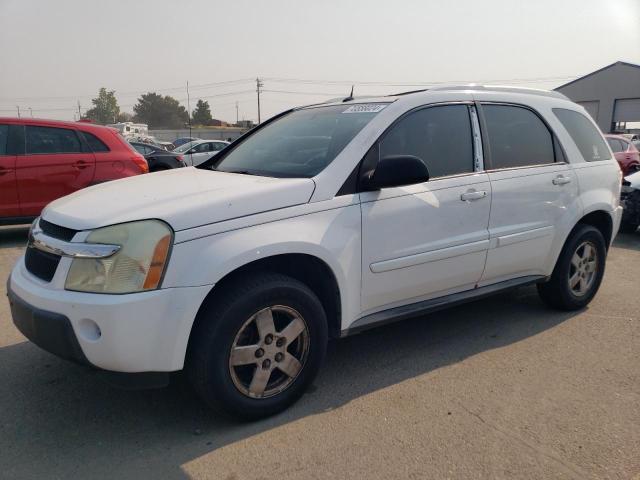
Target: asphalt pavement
{"type": "Point", "coordinates": [500, 388]}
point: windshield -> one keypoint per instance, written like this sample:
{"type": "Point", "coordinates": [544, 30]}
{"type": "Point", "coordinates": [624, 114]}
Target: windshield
{"type": "Point", "coordinates": [301, 143]}
{"type": "Point", "coordinates": [184, 147]}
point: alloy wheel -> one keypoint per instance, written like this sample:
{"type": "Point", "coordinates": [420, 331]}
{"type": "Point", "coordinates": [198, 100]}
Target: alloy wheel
{"type": "Point", "coordinates": [269, 351]}
{"type": "Point", "coordinates": [583, 268]}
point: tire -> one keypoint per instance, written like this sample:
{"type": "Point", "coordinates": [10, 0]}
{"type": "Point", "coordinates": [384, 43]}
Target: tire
{"type": "Point", "coordinates": [229, 320]}
{"type": "Point", "coordinates": [627, 227]}
{"type": "Point", "coordinates": [558, 291]}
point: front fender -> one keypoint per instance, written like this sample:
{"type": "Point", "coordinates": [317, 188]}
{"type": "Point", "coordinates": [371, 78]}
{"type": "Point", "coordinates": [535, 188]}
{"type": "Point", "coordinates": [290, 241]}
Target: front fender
{"type": "Point", "coordinates": [333, 236]}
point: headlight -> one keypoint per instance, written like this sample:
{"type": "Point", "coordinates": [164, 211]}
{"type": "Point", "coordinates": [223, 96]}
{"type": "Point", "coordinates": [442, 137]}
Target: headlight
{"type": "Point", "coordinates": [136, 267]}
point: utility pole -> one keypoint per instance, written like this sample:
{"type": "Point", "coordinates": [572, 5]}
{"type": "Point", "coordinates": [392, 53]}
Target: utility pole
{"type": "Point", "coordinates": [31, 112]}
{"type": "Point", "coordinates": [236, 112]}
{"type": "Point", "coordinates": [18, 107]}
{"type": "Point", "coordinates": [259, 85]}
{"type": "Point", "coordinates": [189, 108]}
{"type": "Point", "coordinates": [79, 112]}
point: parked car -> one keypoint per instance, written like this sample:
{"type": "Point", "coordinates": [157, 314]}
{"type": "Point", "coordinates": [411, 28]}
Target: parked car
{"type": "Point", "coordinates": [625, 152]}
{"type": "Point", "coordinates": [630, 200]}
{"type": "Point", "coordinates": [322, 222]}
{"type": "Point", "coordinates": [158, 158]}
{"type": "Point", "coordinates": [41, 160]}
{"type": "Point", "coordinates": [181, 141]}
{"type": "Point", "coordinates": [200, 151]}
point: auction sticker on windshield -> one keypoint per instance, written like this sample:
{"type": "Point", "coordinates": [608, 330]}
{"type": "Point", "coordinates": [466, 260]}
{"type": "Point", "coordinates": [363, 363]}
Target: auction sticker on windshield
{"type": "Point", "coordinates": [365, 108]}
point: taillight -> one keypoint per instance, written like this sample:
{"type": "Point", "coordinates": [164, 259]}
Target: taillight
{"type": "Point", "coordinates": [140, 161]}
{"type": "Point", "coordinates": [180, 158]}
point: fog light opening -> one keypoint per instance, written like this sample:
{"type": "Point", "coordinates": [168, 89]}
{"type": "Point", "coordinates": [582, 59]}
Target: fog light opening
{"type": "Point", "coordinates": [89, 330]}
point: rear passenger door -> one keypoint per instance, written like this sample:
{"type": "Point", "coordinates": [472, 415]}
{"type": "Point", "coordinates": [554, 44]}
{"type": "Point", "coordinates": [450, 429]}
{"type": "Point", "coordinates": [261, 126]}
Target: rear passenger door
{"type": "Point", "coordinates": [9, 205]}
{"type": "Point", "coordinates": [427, 239]}
{"type": "Point", "coordinates": [534, 192]}
{"type": "Point", "coordinates": [56, 163]}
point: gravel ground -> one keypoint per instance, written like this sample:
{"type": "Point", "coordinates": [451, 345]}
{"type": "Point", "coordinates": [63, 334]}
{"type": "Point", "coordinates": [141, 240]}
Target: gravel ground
{"type": "Point", "coordinates": [500, 388]}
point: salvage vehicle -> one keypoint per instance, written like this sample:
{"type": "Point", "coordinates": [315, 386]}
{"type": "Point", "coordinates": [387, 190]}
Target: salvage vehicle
{"type": "Point", "coordinates": [626, 153]}
{"type": "Point", "coordinates": [157, 157]}
{"type": "Point", "coordinates": [322, 222]}
{"type": "Point", "coordinates": [630, 200]}
{"type": "Point", "coordinates": [41, 160]}
{"type": "Point", "coordinates": [199, 151]}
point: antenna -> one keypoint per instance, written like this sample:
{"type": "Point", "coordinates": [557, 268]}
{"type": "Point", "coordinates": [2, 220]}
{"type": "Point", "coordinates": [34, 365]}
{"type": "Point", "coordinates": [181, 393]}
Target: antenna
{"type": "Point", "coordinates": [350, 97]}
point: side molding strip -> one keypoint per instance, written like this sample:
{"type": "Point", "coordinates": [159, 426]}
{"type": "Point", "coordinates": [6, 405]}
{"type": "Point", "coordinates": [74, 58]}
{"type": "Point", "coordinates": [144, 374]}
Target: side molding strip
{"type": "Point", "coordinates": [427, 306]}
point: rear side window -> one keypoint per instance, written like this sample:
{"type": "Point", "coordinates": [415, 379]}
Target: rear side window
{"type": "Point", "coordinates": [4, 135]}
{"type": "Point", "coordinates": [41, 140]}
{"type": "Point", "coordinates": [440, 136]}
{"type": "Point", "coordinates": [517, 137]}
{"type": "Point", "coordinates": [95, 144]}
{"type": "Point", "coordinates": [616, 145]}
{"type": "Point", "coordinates": [584, 134]}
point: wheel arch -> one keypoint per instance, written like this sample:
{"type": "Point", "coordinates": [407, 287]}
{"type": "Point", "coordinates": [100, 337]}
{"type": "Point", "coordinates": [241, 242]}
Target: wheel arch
{"type": "Point", "coordinates": [306, 268]}
{"type": "Point", "coordinates": [600, 219]}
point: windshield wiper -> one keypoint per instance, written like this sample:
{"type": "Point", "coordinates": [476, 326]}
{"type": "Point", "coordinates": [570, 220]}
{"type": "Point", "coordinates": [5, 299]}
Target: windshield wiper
{"type": "Point", "coordinates": [241, 172]}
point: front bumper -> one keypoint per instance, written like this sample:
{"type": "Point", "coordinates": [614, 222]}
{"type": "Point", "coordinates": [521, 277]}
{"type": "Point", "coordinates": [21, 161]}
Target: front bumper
{"type": "Point", "coordinates": [139, 332]}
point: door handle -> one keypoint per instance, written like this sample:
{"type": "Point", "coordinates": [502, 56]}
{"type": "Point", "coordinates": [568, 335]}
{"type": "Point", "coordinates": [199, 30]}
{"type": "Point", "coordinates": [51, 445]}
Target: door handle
{"type": "Point", "coordinates": [80, 164]}
{"type": "Point", "coordinates": [561, 180]}
{"type": "Point", "coordinates": [471, 195]}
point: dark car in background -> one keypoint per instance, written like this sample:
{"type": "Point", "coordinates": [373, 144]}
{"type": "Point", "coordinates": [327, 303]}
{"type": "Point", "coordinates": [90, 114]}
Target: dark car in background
{"type": "Point", "coordinates": [42, 160]}
{"type": "Point", "coordinates": [158, 158]}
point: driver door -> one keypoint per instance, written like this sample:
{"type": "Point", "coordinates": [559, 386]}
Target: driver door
{"type": "Point", "coordinates": [428, 239]}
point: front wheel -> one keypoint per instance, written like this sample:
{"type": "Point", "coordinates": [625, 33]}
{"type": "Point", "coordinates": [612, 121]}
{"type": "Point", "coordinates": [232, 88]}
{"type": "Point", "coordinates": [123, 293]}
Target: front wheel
{"type": "Point", "coordinates": [578, 271]}
{"type": "Point", "coordinates": [257, 345]}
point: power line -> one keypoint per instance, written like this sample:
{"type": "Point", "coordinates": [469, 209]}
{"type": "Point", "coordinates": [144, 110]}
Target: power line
{"type": "Point", "coordinates": [201, 86]}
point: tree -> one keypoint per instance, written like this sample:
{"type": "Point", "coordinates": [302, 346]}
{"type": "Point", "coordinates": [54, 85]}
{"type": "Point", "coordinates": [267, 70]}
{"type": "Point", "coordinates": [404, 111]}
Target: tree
{"type": "Point", "coordinates": [105, 108]}
{"type": "Point", "coordinates": [202, 113]}
{"type": "Point", "coordinates": [158, 111]}
{"type": "Point", "coordinates": [125, 117]}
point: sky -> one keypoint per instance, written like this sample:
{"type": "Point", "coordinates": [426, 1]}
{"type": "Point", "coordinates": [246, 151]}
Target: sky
{"type": "Point", "coordinates": [57, 53]}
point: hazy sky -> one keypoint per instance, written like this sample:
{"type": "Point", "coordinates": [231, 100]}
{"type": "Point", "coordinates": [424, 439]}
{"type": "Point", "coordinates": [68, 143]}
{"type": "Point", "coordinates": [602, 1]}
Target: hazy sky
{"type": "Point", "coordinates": [54, 53]}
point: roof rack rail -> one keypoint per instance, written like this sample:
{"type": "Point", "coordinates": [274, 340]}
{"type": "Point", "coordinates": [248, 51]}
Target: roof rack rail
{"type": "Point", "coordinates": [502, 88]}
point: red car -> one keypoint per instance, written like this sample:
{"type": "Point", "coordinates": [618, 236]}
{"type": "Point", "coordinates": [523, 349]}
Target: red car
{"type": "Point", "coordinates": [41, 160]}
{"type": "Point", "coordinates": [626, 153]}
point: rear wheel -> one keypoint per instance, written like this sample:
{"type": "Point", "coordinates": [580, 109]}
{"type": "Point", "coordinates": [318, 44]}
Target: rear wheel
{"type": "Point", "coordinates": [578, 271]}
{"type": "Point", "coordinates": [257, 345]}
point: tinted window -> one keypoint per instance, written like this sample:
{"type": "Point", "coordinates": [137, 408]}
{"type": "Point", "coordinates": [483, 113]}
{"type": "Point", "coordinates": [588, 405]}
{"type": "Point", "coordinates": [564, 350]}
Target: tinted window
{"type": "Point", "coordinates": [300, 143]}
{"type": "Point", "coordinates": [52, 140]}
{"type": "Point", "coordinates": [95, 144]}
{"type": "Point", "coordinates": [517, 137]}
{"type": "Point", "coordinates": [139, 148]}
{"type": "Point", "coordinates": [202, 148]}
{"type": "Point", "coordinates": [584, 134]}
{"type": "Point", "coordinates": [440, 136]}
{"type": "Point", "coordinates": [4, 134]}
{"type": "Point", "coordinates": [615, 144]}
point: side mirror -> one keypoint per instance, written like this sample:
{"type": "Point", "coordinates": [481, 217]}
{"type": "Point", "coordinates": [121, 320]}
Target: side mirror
{"type": "Point", "coordinates": [396, 171]}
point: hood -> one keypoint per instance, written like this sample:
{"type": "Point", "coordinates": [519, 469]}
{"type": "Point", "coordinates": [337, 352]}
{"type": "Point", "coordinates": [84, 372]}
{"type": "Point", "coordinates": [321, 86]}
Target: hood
{"type": "Point", "coordinates": [182, 197]}
{"type": "Point", "coordinates": [634, 180]}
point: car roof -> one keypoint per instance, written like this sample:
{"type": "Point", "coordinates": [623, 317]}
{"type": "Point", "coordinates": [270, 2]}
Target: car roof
{"type": "Point", "coordinates": [427, 92]}
{"type": "Point", "coordinates": [56, 123]}
{"type": "Point", "coordinates": [619, 137]}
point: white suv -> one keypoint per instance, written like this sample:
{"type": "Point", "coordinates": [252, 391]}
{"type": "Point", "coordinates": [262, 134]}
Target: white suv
{"type": "Point", "coordinates": [323, 221]}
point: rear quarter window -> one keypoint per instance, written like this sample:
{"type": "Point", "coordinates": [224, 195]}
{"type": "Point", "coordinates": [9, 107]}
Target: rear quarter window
{"type": "Point", "coordinates": [584, 134]}
{"type": "Point", "coordinates": [95, 144]}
